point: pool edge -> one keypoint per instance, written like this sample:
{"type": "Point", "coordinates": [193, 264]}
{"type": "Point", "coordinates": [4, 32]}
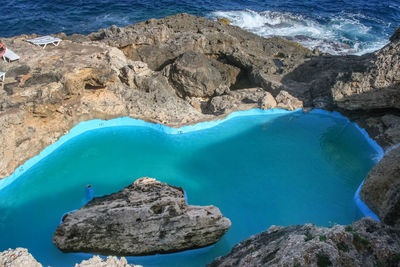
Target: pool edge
{"type": "Point", "coordinates": [94, 124]}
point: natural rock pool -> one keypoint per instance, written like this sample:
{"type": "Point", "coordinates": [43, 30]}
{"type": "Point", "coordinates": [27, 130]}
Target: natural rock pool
{"type": "Point", "coordinates": [267, 168]}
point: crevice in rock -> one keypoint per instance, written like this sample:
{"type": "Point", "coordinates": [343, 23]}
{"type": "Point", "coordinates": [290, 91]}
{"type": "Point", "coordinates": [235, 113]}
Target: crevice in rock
{"type": "Point", "coordinates": [243, 78]}
{"type": "Point", "coordinates": [362, 114]}
{"type": "Point", "coordinates": [243, 81]}
{"type": "Point", "coordinates": [45, 78]}
{"type": "Point", "coordinates": [166, 63]}
{"type": "Point", "coordinates": [93, 87]}
{"type": "Point", "coordinates": [9, 87]}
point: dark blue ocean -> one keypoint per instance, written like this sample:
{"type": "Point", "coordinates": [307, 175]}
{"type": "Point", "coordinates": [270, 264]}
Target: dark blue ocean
{"type": "Point", "coordinates": [335, 26]}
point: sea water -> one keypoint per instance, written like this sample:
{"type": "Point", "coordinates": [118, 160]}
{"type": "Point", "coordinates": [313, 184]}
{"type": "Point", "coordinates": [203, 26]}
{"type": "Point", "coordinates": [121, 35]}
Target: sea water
{"type": "Point", "coordinates": [337, 27]}
{"type": "Point", "coordinates": [280, 168]}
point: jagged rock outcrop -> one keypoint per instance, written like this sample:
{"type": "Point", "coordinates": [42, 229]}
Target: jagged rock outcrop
{"type": "Point", "coordinates": [287, 101]}
{"type": "Point", "coordinates": [185, 69]}
{"type": "Point", "coordinates": [180, 70]}
{"type": "Point", "coordinates": [19, 257]}
{"type": "Point", "coordinates": [96, 261]}
{"type": "Point", "coordinates": [46, 95]}
{"type": "Point", "coordinates": [194, 76]}
{"type": "Point", "coordinates": [365, 243]}
{"type": "Point", "coordinates": [241, 99]}
{"type": "Point", "coordinates": [145, 218]}
{"type": "Point", "coordinates": [381, 189]}
{"type": "Point", "coordinates": [375, 86]}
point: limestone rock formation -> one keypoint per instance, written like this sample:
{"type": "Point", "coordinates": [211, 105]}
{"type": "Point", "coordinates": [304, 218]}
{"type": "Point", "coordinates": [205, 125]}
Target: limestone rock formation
{"type": "Point", "coordinates": [376, 85]}
{"type": "Point", "coordinates": [241, 99]}
{"type": "Point", "coordinates": [365, 243]}
{"type": "Point", "coordinates": [287, 101]}
{"type": "Point", "coordinates": [185, 69]}
{"type": "Point", "coordinates": [145, 218]}
{"type": "Point", "coordinates": [381, 189]}
{"type": "Point", "coordinates": [181, 70]}
{"type": "Point", "coordinates": [96, 261]}
{"type": "Point", "coordinates": [193, 75]}
{"type": "Point", "coordinates": [19, 257]}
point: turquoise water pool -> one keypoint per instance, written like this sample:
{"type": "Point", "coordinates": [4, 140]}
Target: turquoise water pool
{"type": "Point", "coordinates": [276, 168]}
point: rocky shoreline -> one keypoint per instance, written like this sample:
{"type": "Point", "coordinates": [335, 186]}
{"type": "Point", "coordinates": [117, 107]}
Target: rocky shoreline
{"type": "Point", "coordinates": [364, 243]}
{"type": "Point", "coordinates": [20, 257]}
{"type": "Point", "coordinates": [185, 69]}
{"type": "Point", "coordinates": [151, 71]}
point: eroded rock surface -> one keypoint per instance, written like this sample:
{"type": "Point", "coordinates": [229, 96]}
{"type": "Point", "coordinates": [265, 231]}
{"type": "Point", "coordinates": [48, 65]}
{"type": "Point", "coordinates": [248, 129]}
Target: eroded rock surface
{"type": "Point", "coordinates": [19, 257]}
{"type": "Point", "coordinates": [185, 69]}
{"type": "Point", "coordinates": [193, 75]}
{"type": "Point", "coordinates": [181, 70]}
{"type": "Point", "coordinates": [145, 218]}
{"type": "Point", "coordinates": [96, 261]}
{"type": "Point", "coordinates": [365, 243]}
{"type": "Point", "coordinates": [381, 189]}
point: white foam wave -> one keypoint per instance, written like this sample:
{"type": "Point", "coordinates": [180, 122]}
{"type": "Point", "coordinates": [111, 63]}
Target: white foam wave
{"type": "Point", "coordinates": [343, 34]}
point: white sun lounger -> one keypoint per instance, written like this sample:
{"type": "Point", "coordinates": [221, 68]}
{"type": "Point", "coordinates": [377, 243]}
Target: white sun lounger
{"type": "Point", "coordinates": [2, 76]}
{"type": "Point", "coordinates": [45, 40]}
{"type": "Point", "coordinates": [9, 55]}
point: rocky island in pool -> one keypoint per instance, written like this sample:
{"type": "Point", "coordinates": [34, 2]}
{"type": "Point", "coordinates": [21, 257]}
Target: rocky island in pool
{"type": "Point", "coordinates": [183, 70]}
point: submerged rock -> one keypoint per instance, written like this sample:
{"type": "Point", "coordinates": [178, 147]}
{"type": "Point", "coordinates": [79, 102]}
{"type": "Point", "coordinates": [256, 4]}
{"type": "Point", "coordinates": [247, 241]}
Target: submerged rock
{"type": "Point", "coordinates": [381, 189]}
{"type": "Point", "coordinates": [145, 218]}
{"type": "Point", "coordinates": [364, 243]}
{"type": "Point", "coordinates": [19, 257]}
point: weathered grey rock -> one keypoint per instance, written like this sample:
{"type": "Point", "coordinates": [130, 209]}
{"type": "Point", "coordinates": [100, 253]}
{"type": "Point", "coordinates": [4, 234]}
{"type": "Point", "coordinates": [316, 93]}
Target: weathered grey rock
{"type": "Point", "coordinates": [366, 243]}
{"type": "Point", "coordinates": [268, 101]}
{"type": "Point", "coordinates": [145, 218]}
{"type": "Point", "coordinates": [194, 76]}
{"type": "Point", "coordinates": [383, 128]}
{"type": "Point", "coordinates": [241, 99]}
{"type": "Point", "coordinates": [96, 261]}
{"type": "Point", "coordinates": [377, 85]}
{"type": "Point", "coordinates": [381, 189]}
{"type": "Point", "coordinates": [287, 101]}
{"type": "Point", "coordinates": [111, 76]}
{"type": "Point", "coordinates": [19, 257]}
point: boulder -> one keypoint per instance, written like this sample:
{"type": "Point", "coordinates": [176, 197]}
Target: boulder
{"type": "Point", "coordinates": [224, 20]}
{"type": "Point", "coordinates": [96, 261]}
{"type": "Point", "coordinates": [148, 217]}
{"type": "Point", "coordinates": [365, 243]}
{"type": "Point", "coordinates": [268, 101]}
{"type": "Point", "coordinates": [241, 99]}
{"type": "Point", "coordinates": [19, 257]}
{"type": "Point", "coordinates": [193, 75]}
{"type": "Point", "coordinates": [381, 189]}
{"type": "Point", "coordinates": [287, 101]}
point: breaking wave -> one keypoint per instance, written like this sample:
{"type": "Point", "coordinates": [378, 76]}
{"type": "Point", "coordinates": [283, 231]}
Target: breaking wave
{"type": "Point", "coordinates": [338, 35]}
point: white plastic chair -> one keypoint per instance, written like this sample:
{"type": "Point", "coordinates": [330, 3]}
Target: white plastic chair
{"type": "Point", "coordinates": [9, 55]}
{"type": "Point", "coordinates": [45, 40]}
